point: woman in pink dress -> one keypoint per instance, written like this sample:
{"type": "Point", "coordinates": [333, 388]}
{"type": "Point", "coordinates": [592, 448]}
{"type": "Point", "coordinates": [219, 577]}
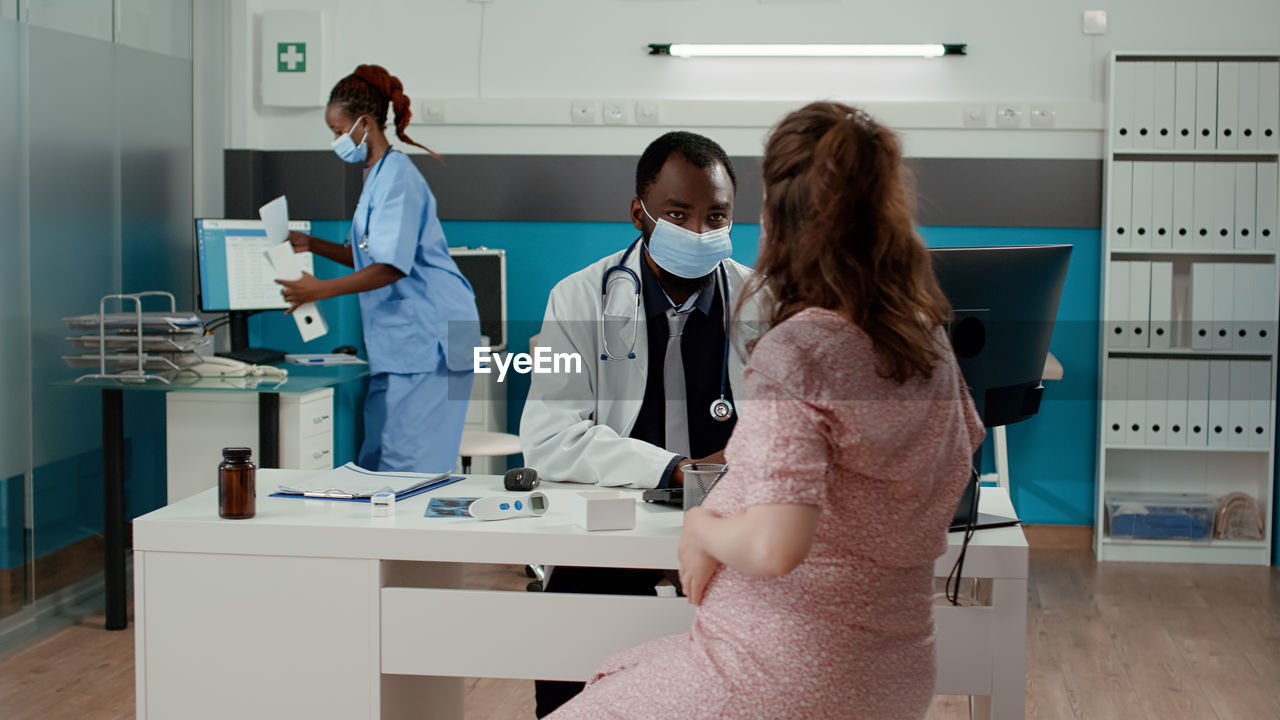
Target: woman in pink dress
{"type": "Point", "coordinates": [811, 562]}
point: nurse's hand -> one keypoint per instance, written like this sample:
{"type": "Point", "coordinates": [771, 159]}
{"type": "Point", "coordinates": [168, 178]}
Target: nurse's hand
{"type": "Point", "coordinates": [301, 291]}
{"type": "Point", "coordinates": [697, 566]}
{"type": "Point", "coordinates": [301, 241]}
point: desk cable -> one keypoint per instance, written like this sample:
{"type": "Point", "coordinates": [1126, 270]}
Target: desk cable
{"type": "Point", "coordinates": [957, 570]}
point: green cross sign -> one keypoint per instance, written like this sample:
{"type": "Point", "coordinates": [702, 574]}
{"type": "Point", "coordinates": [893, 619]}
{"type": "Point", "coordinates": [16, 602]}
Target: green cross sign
{"type": "Point", "coordinates": [291, 57]}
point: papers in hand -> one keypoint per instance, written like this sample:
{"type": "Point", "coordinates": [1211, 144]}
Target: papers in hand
{"type": "Point", "coordinates": [275, 218]}
{"type": "Point", "coordinates": [352, 481]}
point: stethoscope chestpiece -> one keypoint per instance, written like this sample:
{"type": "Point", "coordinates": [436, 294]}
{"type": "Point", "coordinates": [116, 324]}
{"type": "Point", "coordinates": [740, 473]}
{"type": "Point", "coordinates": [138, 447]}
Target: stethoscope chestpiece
{"type": "Point", "coordinates": [721, 409]}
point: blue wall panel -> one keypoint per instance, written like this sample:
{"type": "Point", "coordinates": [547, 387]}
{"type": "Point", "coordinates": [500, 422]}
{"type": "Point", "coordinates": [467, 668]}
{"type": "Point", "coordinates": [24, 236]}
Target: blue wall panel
{"type": "Point", "coordinates": [1052, 456]}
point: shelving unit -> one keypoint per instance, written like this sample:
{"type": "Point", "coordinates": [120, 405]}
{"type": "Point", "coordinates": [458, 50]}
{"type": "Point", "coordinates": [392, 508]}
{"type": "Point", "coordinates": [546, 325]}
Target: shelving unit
{"type": "Point", "coordinates": [1189, 292]}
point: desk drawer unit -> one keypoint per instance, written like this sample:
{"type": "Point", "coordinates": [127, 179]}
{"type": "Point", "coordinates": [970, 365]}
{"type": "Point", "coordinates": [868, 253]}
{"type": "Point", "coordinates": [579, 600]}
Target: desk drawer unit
{"type": "Point", "coordinates": [200, 424]}
{"type": "Point", "coordinates": [306, 431]}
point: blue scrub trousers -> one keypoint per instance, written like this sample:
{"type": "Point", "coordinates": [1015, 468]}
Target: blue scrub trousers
{"type": "Point", "coordinates": [413, 422]}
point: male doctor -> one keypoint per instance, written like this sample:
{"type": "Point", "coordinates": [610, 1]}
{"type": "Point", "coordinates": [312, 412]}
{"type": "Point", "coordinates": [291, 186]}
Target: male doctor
{"type": "Point", "coordinates": [650, 323]}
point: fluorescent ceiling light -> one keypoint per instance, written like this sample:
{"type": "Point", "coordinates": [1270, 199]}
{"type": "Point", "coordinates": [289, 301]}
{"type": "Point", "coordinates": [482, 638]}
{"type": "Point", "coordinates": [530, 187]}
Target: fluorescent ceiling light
{"type": "Point", "coordinates": [700, 50]}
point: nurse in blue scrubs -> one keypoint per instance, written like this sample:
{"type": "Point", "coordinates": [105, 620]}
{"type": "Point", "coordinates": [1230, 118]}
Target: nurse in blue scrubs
{"type": "Point", "coordinates": [418, 311]}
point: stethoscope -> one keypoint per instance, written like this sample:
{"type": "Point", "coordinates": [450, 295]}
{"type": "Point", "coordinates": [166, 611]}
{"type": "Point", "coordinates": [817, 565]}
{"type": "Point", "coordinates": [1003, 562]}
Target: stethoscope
{"type": "Point", "coordinates": [368, 208]}
{"type": "Point", "coordinates": [721, 408]}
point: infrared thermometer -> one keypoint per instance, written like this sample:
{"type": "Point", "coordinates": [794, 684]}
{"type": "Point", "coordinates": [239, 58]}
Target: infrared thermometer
{"type": "Point", "coordinates": [501, 507]}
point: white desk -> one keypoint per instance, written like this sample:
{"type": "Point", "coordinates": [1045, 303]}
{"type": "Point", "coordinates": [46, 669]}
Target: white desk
{"type": "Point", "coordinates": [315, 609]}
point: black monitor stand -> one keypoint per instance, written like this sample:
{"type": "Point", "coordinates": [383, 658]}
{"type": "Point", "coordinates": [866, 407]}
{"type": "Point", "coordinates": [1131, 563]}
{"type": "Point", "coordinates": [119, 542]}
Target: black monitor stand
{"type": "Point", "coordinates": [238, 325]}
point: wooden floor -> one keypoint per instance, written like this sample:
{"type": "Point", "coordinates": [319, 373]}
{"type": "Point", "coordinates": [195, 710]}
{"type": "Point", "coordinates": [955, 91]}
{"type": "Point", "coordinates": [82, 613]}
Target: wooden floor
{"type": "Point", "coordinates": [1131, 641]}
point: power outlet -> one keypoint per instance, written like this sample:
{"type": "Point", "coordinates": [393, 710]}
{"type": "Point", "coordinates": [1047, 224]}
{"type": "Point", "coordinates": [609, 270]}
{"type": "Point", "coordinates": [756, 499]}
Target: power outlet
{"type": "Point", "coordinates": [1008, 116]}
{"type": "Point", "coordinates": [1042, 116]}
{"type": "Point", "coordinates": [975, 115]}
{"type": "Point", "coordinates": [584, 112]}
{"type": "Point", "coordinates": [647, 112]}
{"type": "Point", "coordinates": [432, 111]}
{"type": "Point", "coordinates": [617, 112]}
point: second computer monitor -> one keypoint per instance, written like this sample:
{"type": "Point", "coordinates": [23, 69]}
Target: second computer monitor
{"type": "Point", "coordinates": [1005, 301]}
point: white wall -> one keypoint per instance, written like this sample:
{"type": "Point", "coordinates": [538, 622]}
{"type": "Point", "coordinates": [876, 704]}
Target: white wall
{"type": "Point", "coordinates": [509, 91]}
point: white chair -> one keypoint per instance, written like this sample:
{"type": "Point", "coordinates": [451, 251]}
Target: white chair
{"type": "Point", "coordinates": [486, 443]}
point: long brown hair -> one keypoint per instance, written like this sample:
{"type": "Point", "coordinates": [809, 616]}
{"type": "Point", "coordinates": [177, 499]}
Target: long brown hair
{"type": "Point", "coordinates": [368, 91]}
{"type": "Point", "coordinates": [838, 234]}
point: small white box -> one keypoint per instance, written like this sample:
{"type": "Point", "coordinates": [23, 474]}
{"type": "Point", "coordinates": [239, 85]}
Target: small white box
{"type": "Point", "coordinates": [603, 510]}
{"type": "Point", "coordinates": [382, 504]}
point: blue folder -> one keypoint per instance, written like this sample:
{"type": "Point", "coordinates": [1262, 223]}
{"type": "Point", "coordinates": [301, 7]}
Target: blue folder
{"type": "Point", "coordinates": [399, 496]}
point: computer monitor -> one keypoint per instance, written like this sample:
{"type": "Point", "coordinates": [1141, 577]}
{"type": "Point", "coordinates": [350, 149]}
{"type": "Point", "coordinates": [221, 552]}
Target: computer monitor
{"type": "Point", "coordinates": [1005, 301]}
{"type": "Point", "coordinates": [235, 277]}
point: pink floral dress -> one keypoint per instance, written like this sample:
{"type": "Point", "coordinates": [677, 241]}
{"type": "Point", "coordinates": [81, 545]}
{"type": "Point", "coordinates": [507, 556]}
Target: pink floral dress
{"type": "Point", "coordinates": [849, 633]}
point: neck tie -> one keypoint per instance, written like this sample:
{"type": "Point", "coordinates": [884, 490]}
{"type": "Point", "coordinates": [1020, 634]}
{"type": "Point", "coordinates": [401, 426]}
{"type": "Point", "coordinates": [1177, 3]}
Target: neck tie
{"type": "Point", "coordinates": [677, 412]}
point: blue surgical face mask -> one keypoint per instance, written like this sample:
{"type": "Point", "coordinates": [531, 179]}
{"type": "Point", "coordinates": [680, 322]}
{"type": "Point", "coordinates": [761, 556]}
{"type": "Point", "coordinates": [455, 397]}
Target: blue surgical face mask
{"type": "Point", "coordinates": [347, 149]}
{"type": "Point", "coordinates": [684, 252]}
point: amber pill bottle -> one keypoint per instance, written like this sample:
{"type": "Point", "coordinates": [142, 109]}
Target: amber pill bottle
{"type": "Point", "coordinates": [237, 493]}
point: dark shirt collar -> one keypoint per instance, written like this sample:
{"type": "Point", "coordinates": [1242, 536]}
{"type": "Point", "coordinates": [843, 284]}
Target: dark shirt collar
{"type": "Point", "coordinates": [656, 301]}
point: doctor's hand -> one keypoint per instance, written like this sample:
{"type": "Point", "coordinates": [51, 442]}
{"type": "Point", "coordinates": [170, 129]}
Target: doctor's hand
{"type": "Point", "coordinates": [697, 566]}
{"type": "Point", "coordinates": [301, 241]}
{"type": "Point", "coordinates": [677, 475]}
{"type": "Point", "coordinates": [301, 291]}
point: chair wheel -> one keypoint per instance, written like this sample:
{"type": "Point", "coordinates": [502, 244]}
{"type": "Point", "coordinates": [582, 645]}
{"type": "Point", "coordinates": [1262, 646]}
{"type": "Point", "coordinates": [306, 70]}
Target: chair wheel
{"type": "Point", "coordinates": [535, 586]}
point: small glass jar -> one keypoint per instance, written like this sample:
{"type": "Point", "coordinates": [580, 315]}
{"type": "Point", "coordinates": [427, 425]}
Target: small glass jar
{"type": "Point", "coordinates": [237, 484]}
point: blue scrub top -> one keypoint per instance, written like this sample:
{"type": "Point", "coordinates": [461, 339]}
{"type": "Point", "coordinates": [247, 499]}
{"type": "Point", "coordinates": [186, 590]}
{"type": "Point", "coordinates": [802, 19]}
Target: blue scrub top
{"type": "Point", "coordinates": [430, 313]}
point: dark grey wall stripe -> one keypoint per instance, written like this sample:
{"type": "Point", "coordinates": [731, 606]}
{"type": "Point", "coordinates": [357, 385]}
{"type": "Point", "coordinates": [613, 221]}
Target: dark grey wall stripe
{"type": "Point", "coordinates": [580, 188]}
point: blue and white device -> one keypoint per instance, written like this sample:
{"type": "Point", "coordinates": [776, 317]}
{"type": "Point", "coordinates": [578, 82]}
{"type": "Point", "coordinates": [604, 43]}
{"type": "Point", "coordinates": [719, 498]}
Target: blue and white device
{"type": "Point", "coordinates": [501, 507]}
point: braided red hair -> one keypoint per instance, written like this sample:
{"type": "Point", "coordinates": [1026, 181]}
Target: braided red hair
{"type": "Point", "coordinates": [353, 92]}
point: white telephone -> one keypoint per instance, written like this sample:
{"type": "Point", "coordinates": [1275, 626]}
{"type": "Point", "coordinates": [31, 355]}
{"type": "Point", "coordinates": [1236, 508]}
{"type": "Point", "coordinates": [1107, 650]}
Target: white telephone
{"type": "Point", "coordinates": [215, 367]}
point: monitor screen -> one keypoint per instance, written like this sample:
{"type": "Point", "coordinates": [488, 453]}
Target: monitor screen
{"type": "Point", "coordinates": [234, 272]}
{"type": "Point", "coordinates": [1005, 302]}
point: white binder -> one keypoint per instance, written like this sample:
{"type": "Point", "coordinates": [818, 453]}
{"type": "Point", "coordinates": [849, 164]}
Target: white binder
{"type": "Point", "coordinates": [1161, 304]}
{"type": "Point", "coordinates": [1135, 410]}
{"type": "Point", "coordinates": [1197, 402]}
{"type": "Point", "coordinates": [1269, 106]}
{"type": "Point", "coordinates": [1240, 409]}
{"type": "Point", "coordinates": [1265, 227]}
{"type": "Point", "coordinates": [1144, 105]}
{"type": "Point", "coordinates": [1224, 274]}
{"type": "Point", "coordinates": [1139, 303]}
{"type": "Point", "coordinates": [1176, 418]}
{"type": "Point", "coordinates": [1219, 403]}
{"type": "Point", "coordinates": [1122, 107]}
{"type": "Point", "coordinates": [1121, 206]}
{"type": "Point", "coordinates": [1163, 126]}
{"type": "Point", "coordinates": [1228, 105]}
{"type": "Point", "coordinates": [1202, 298]}
{"type": "Point", "coordinates": [1246, 204]}
{"type": "Point", "coordinates": [1203, 196]}
{"type": "Point", "coordinates": [1141, 220]}
{"type": "Point", "coordinates": [1264, 308]}
{"type": "Point", "coordinates": [1206, 105]}
{"type": "Point", "coordinates": [1248, 107]}
{"type": "Point", "coordinates": [1224, 206]}
{"type": "Point", "coordinates": [1260, 404]}
{"type": "Point", "coordinates": [1184, 181]}
{"type": "Point", "coordinates": [1242, 307]}
{"type": "Point", "coordinates": [1117, 328]}
{"type": "Point", "coordinates": [1162, 205]}
{"type": "Point", "coordinates": [1115, 399]}
{"type": "Point", "coordinates": [1157, 402]}
{"type": "Point", "coordinates": [1184, 108]}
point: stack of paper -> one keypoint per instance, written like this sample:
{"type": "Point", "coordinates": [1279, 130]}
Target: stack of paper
{"type": "Point", "coordinates": [351, 481]}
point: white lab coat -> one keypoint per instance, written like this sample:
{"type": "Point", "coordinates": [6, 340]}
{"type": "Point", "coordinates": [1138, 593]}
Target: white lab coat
{"type": "Point", "coordinates": [575, 426]}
